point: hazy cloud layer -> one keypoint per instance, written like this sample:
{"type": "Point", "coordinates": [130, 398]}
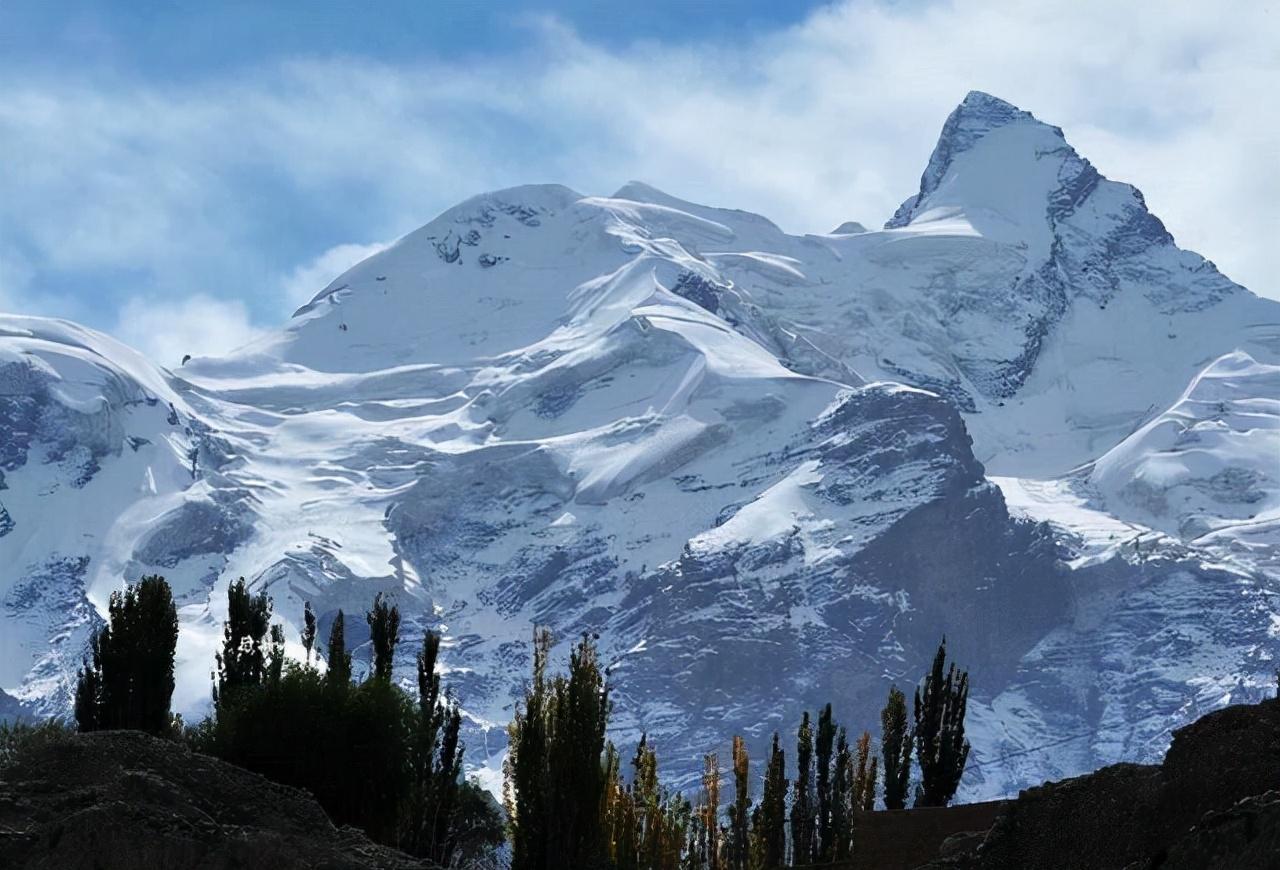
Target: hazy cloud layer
{"type": "Point", "coordinates": [236, 196]}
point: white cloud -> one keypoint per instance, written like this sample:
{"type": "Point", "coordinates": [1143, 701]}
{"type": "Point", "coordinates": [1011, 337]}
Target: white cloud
{"type": "Point", "coordinates": [829, 120]}
{"type": "Point", "coordinates": [166, 331]}
{"type": "Point", "coordinates": [305, 281]}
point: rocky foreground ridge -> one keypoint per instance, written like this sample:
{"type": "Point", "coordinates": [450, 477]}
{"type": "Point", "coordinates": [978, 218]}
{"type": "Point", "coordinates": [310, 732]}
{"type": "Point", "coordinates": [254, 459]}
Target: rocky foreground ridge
{"type": "Point", "coordinates": [1213, 803]}
{"type": "Point", "coordinates": [125, 800]}
{"type": "Point", "coordinates": [121, 800]}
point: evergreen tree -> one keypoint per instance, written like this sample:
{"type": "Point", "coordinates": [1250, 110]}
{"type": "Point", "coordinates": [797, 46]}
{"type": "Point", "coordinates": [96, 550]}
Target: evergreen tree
{"type": "Point", "coordinates": [308, 629]}
{"type": "Point", "coordinates": [941, 747]}
{"type": "Point", "coordinates": [339, 674]}
{"type": "Point", "coordinates": [739, 851]}
{"type": "Point", "coordinates": [803, 798]}
{"type": "Point", "coordinates": [825, 744]}
{"type": "Point", "coordinates": [896, 742]}
{"type": "Point", "coordinates": [384, 634]}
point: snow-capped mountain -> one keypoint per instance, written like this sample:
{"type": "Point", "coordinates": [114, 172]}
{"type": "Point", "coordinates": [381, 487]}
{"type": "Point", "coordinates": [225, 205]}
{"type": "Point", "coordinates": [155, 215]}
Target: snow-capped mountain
{"type": "Point", "coordinates": [769, 470]}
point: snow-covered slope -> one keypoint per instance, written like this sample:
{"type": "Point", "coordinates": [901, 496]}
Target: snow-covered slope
{"type": "Point", "coordinates": [742, 457]}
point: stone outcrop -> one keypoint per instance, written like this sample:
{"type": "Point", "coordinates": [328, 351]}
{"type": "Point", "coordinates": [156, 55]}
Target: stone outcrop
{"type": "Point", "coordinates": [1212, 803]}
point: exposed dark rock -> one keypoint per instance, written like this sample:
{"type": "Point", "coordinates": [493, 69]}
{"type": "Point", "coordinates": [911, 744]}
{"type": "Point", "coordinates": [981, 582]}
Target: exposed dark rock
{"type": "Point", "coordinates": [1210, 804]}
{"type": "Point", "coordinates": [126, 800]}
{"type": "Point", "coordinates": [1247, 835]}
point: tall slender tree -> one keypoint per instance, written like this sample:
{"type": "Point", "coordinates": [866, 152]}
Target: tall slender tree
{"type": "Point", "coordinates": [842, 800]}
{"type": "Point", "coordinates": [941, 747]}
{"type": "Point", "coordinates": [739, 850]}
{"type": "Point", "coordinates": [339, 674]}
{"type": "Point", "coordinates": [308, 629]}
{"type": "Point", "coordinates": [384, 634]}
{"type": "Point", "coordinates": [864, 783]}
{"type": "Point", "coordinates": [769, 832]}
{"type": "Point", "coordinates": [242, 661]}
{"type": "Point", "coordinates": [826, 735]}
{"type": "Point", "coordinates": [803, 798]}
{"type": "Point", "coordinates": [711, 808]}
{"type": "Point", "coordinates": [555, 776]}
{"type": "Point", "coordinates": [896, 741]}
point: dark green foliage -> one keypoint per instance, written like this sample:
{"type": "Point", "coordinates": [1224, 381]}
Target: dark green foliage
{"type": "Point", "coordinates": [372, 756]}
{"type": "Point", "coordinates": [339, 659]}
{"type": "Point", "coordinates": [18, 738]}
{"type": "Point", "coordinates": [843, 803]}
{"type": "Point", "coordinates": [345, 744]}
{"type": "Point", "coordinates": [275, 655]}
{"type": "Point", "coordinates": [384, 634]}
{"type": "Point", "coordinates": [243, 658]}
{"type": "Point", "coordinates": [825, 843]}
{"type": "Point", "coordinates": [941, 748]}
{"type": "Point", "coordinates": [556, 779]}
{"type": "Point", "coordinates": [896, 742]}
{"type": "Point", "coordinates": [127, 682]}
{"type": "Point", "coordinates": [308, 629]}
{"type": "Point", "coordinates": [803, 799]}
{"type": "Point", "coordinates": [89, 687]}
{"type": "Point", "coordinates": [479, 827]}
{"type": "Point", "coordinates": [435, 760]}
{"type": "Point", "coordinates": [768, 822]}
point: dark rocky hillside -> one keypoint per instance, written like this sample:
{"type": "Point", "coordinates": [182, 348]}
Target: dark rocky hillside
{"type": "Point", "coordinates": [1213, 803]}
{"type": "Point", "coordinates": [122, 800]}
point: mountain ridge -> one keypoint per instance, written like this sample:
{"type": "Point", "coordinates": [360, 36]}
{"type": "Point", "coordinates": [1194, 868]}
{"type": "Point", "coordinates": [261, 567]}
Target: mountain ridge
{"type": "Point", "coordinates": [675, 424]}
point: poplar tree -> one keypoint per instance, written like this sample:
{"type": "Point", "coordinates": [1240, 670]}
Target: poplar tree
{"type": "Point", "coordinates": [339, 675]}
{"type": "Point", "coordinates": [384, 634]}
{"type": "Point", "coordinates": [308, 629]}
{"type": "Point", "coordinates": [739, 850]}
{"type": "Point", "coordinates": [802, 800]}
{"type": "Point", "coordinates": [826, 734]}
{"type": "Point", "coordinates": [842, 800]}
{"type": "Point", "coordinates": [555, 779]}
{"type": "Point", "coordinates": [242, 660]}
{"type": "Point", "coordinates": [127, 680]}
{"type": "Point", "coordinates": [895, 747]}
{"type": "Point", "coordinates": [941, 747]}
{"type": "Point", "coordinates": [864, 784]}
{"type": "Point", "coordinates": [769, 834]}
{"type": "Point", "coordinates": [711, 809]}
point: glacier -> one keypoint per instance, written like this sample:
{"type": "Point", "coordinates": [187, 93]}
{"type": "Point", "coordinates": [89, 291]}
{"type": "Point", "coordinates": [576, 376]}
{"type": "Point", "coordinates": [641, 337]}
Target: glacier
{"type": "Point", "coordinates": [768, 470]}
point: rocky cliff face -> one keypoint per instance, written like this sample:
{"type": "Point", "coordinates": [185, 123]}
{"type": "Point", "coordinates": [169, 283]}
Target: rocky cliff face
{"type": "Point", "coordinates": [769, 470]}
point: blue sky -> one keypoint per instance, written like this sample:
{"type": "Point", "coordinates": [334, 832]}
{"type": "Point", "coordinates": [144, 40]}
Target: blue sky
{"type": "Point", "coordinates": [184, 174]}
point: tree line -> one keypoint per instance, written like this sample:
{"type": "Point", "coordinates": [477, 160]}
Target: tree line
{"type": "Point", "coordinates": [371, 754]}
{"type": "Point", "coordinates": [570, 804]}
{"type": "Point", "coordinates": [391, 763]}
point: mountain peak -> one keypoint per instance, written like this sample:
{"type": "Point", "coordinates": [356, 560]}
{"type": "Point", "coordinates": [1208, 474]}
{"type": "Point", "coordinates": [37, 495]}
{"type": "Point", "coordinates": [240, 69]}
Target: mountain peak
{"type": "Point", "coordinates": [978, 116]}
{"type": "Point", "coordinates": [981, 101]}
